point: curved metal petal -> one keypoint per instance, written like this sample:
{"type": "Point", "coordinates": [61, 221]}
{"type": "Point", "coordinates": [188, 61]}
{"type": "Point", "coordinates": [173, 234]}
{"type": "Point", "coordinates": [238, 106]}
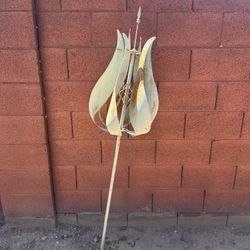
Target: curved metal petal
{"type": "Point", "coordinates": [112, 120]}
{"type": "Point", "coordinates": [106, 83]}
{"type": "Point", "coordinates": [144, 102]}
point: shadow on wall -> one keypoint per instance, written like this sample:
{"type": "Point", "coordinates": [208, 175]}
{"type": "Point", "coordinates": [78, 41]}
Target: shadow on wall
{"type": "Point", "coordinates": [1, 215]}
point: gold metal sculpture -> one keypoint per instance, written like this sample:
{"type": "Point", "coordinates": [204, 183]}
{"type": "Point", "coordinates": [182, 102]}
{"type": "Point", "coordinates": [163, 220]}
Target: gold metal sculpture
{"type": "Point", "coordinates": [125, 97]}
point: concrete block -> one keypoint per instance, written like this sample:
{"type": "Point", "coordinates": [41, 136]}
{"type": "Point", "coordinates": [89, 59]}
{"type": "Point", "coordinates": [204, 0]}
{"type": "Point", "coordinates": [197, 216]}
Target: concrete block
{"type": "Point", "coordinates": [152, 219]}
{"type": "Point", "coordinates": [67, 219]}
{"type": "Point", "coordinates": [202, 220]}
{"type": "Point", "coordinates": [96, 219]}
{"type": "Point", "coordinates": [238, 220]}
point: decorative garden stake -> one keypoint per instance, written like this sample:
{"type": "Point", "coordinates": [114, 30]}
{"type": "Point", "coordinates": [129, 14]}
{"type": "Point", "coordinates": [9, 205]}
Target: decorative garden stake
{"type": "Point", "coordinates": [125, 97]}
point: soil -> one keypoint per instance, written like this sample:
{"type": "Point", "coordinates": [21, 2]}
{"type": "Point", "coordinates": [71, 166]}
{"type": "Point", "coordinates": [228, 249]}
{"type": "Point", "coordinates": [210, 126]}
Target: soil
{"type": "Point", "coordinates": [65, 237]}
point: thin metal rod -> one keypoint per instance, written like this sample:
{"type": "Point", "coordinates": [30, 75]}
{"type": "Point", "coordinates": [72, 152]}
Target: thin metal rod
{"type": "Point", "coordinates": [118, 139]}
{"type": "Point", "coordinates": [117, 147]}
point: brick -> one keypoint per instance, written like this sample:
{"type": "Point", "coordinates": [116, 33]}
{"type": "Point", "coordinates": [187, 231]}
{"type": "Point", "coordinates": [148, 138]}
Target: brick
{"type": "Point", "coordinates": [204, 220]}
{"type": "Point", "coordinates": [128, 200]}
{"type": "Point", "coordinates": [171, 64]}
{"type": "Point", "coordinates": [159, 5]}
{"type": "Point", "coordinates": [84, 127]}
{"type": "Point", "coordinates": [68, 96]}
{"type": "Point", "coordinates": [94, 176]}
{"type": "Point", "coordinates": [131, 152]}
{"type": "Point", "coordinates": [236, 31]}
{"type": "Point", "coordinates": [232, 201]}
{"type": "Point", "coordinates": [13, 68]}
{"type": "Point", "coordinates": [89, 63]}
{"type": "Point", "coordinates": [93, 5]}
{"type": "Point", "coordinates": [18, 30]}
{"type": "Point", "coordinates": [189, 29]}
{"type": "Point", "coordinates": [23, 155]}
{"type": "Point", "coordinates": [64, 177]}
{"type": "Point", "coordinates": [187, 96]}
{"type": "Point", "coordinates": [48, 5]}
{"type": "Point", "coordinates": [65, 29]}
{"type": "Point", "coordinates": [178, 200]}
{"type": "Point", "coordinates": [106, 24]}
{"type": "Point", "coordinates": [25, 181]}
{"type": "Point", "coordinates": [54, 64]}
{"type": "Point", "coordinates": [9, 5]}
{"type": "Point", "coordinates": [213, 125]}
{"type": "Point", "coordinates": [155, 177]}
{"type": "Point", "coordinates": [152, 220]}
{"type": "Point", "coordinates": [220, 64]}
{"type": "Point", "coordinates": [27, 205]}
{"type": "Point", "coordinates": [231, 152]}
{"type": "Point", "coordinates": [78, 201]}
{"type": "Point", "coordinates": [242, 177]}
{"type": "Point", "coordinates": [246, 126]}
{"type": "Point", "coordinates": [203, 177]}
{"type": "Point", "coordinates": [233, 96]}
{"type": "Point", "coordinates": [222, 5]}
{"type": "Point", "coordinates": [179, 152]}
{"type": "Point", "coordinates": [76, 152]}
{"type": "Point", "coordinates": [60, 125]}
{"type": "Point", "coordinates": [22, 130]}
{"type": "Point", "coordinates": [20, 99]}
{"type": "Point", "coordinates": [167, 125]}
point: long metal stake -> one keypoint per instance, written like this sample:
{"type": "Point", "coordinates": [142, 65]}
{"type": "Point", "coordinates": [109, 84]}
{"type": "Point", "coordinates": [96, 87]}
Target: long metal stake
{"type": "Point", "coordinates": [118, 139]}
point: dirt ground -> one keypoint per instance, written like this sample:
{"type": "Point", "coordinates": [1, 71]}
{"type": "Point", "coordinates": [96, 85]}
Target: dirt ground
{"type": "Point", "coordinates": [75, 237]}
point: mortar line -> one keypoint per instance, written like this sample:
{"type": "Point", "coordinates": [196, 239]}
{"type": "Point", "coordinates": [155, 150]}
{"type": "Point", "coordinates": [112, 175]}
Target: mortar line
{"type": "Point", "coordinates": [184, 125]}
{"type": "Point", "coordinates": [216, 96]}
{"type": "Point", "coordinates": [101, 196]}
{"type": "Point", "coordinates": [190, 64]}
{"type": "Point", "coordinates": [210, 152]}
{"type": "Point", "coordinates": [76, 177]}
{"type": "Point", "coordinates": [152, 202]}
{"type": "Point", "coordinates": [60, 3]}
{"type": "Point", "coordinates": [67, 63]}
{"type": "Point", "coordinates": [235, 176]}
{"type": "Point", "coordinates": [101, 151]}
{"type": "Point", "coordinates": [242, 124]}
{"type": "Point", "coordinates": [204, 200]}
{"type": "Point", "coordinates": [227, 219]}
{"type": "Point", "coordinates": [182, 169]}
{"type": "Point", "coordinates": [192, 5]}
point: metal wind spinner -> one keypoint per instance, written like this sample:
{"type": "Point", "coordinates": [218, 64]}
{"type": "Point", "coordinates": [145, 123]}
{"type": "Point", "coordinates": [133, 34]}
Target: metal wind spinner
{"type": "Point", "coordinates": [125, 97]}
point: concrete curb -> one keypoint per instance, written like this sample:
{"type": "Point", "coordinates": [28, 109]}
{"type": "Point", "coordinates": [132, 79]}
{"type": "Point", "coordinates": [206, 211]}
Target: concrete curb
{"type": "Point", "coordinates": [137, 219]}
{"type": "Point", "coordinates": [27, 222]}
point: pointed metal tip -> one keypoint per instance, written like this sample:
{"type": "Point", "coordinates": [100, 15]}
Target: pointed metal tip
{"type": "Point", "coordinates": [139, 13]}
{"type": "Point", "coordinates": [129, 33]}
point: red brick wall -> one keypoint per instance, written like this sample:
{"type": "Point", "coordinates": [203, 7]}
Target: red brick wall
{"type": "Point", "coordinates": [25, 188]}
{"type": "Point", "coordinates": [196, 158]}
